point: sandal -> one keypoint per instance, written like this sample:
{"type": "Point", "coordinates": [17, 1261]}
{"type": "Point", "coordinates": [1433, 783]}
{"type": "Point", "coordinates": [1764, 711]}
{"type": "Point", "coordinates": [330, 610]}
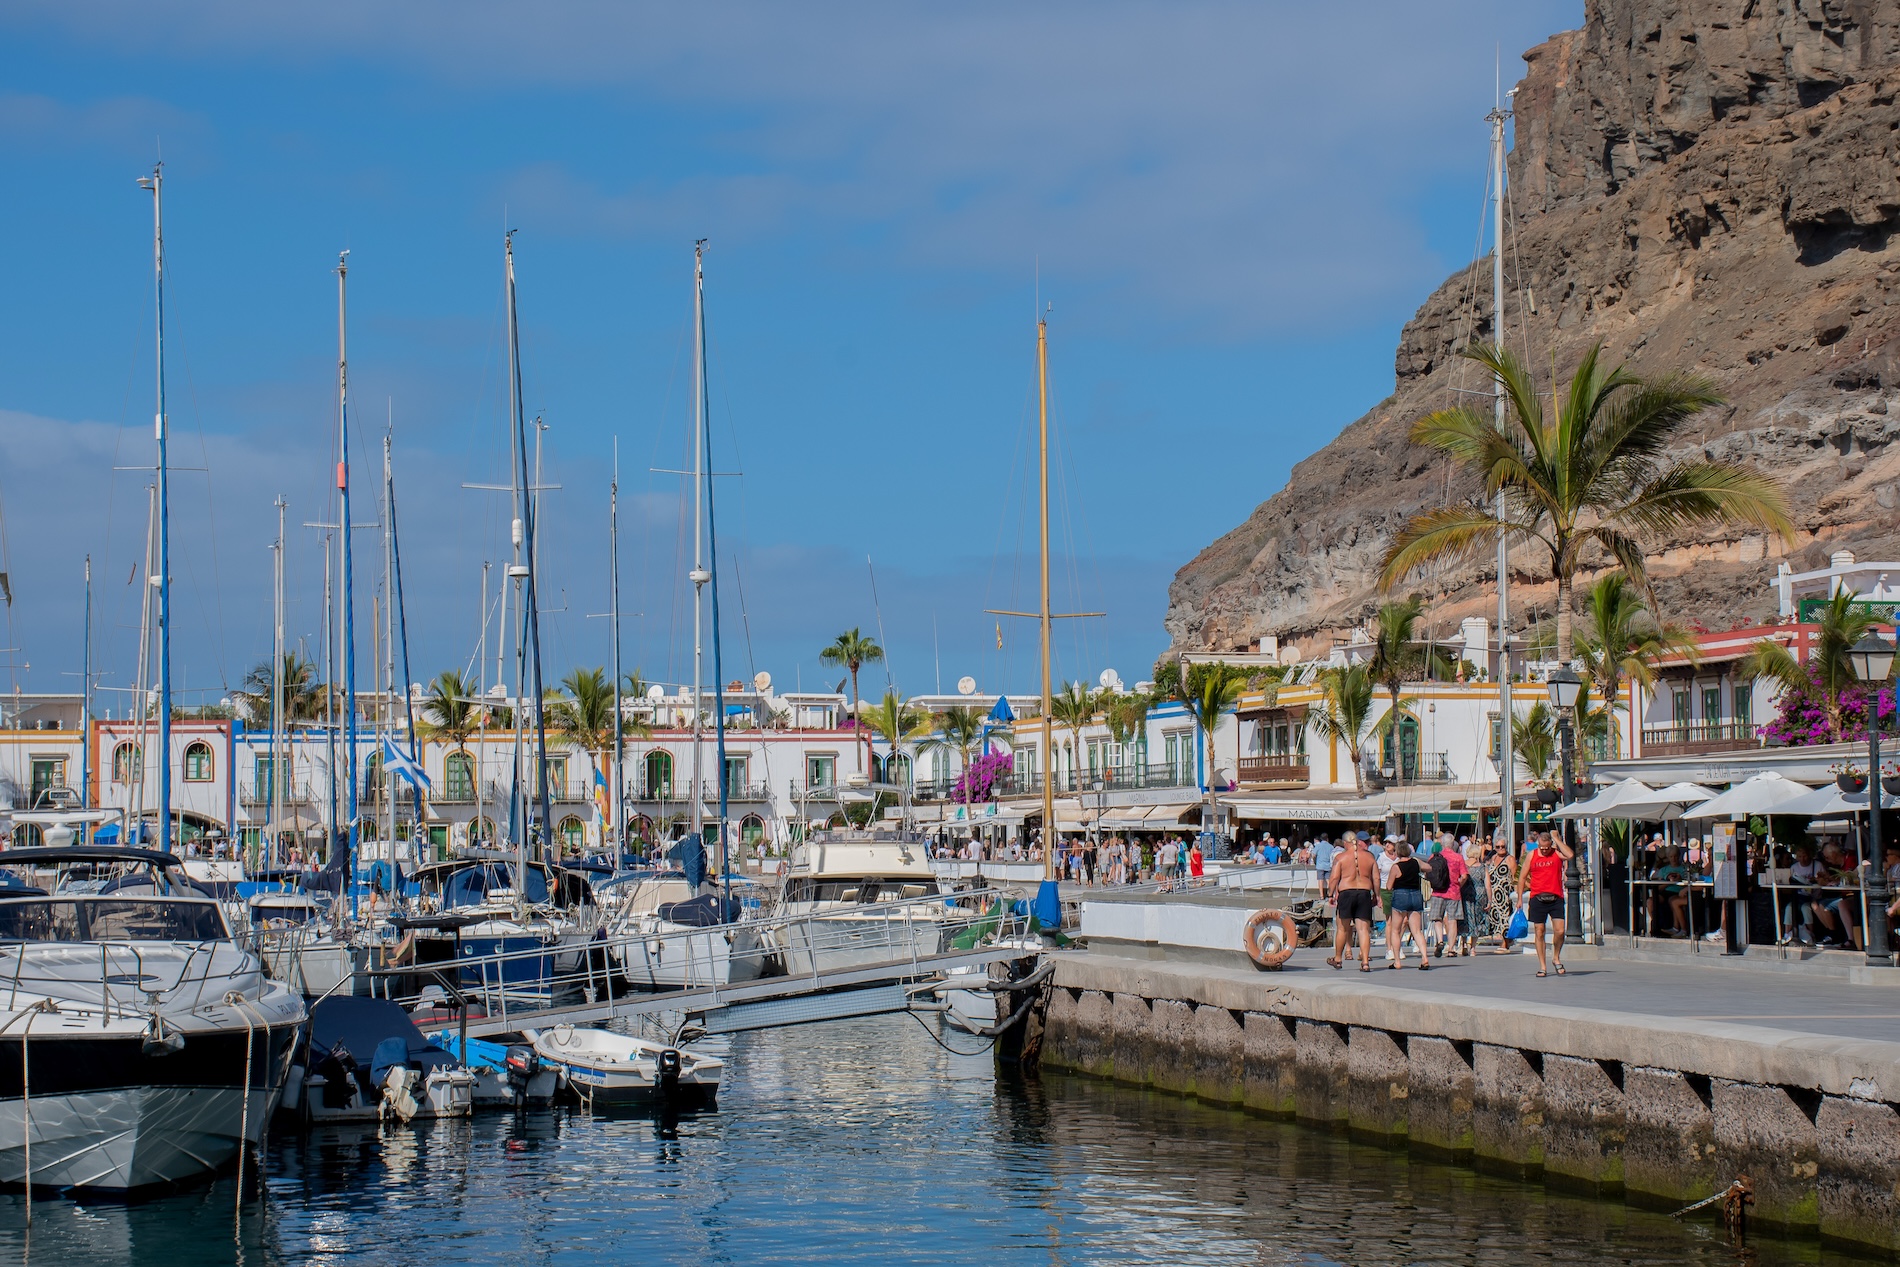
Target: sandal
{"type": "Point", "coordinates": [1334, 963]}
{"type": "Point", "coordinates": [1424, 967]}
{"type": "Point", "coordinates": [1392, 964]}
{"type": "Point", "coordinates": [1542, 973]}
{"type": "Point", "coordinates": [1365, 967]}
{"type": "Point", "coordinates": [1561, 972]}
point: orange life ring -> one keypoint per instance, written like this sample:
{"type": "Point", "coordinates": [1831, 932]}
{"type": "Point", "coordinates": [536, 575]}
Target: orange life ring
{"type": "Point", "coordinates": [1271, 951]}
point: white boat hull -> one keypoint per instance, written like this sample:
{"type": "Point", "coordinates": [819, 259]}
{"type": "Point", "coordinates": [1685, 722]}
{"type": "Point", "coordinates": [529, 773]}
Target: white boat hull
{"type": "Point", "coordinates": [313, 971]}
{"type": "Point", "coordinates": [611, 1071]}
{"type": "Point", "coordinates": [674, 958]}
{"type": "Point", "coordinates": [129, 1138]}
{"type": "Point", "coordinates": [828, 943]}
{"type": "Point", "coordinates": [443, 1093]}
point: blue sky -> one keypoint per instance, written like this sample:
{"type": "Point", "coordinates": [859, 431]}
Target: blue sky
{"type": "Point", "coordinates": [1231, 208]}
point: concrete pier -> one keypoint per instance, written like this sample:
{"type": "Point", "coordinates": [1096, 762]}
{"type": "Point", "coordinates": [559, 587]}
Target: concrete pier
{"type": "Point", "coordinates": [1656, 1083]}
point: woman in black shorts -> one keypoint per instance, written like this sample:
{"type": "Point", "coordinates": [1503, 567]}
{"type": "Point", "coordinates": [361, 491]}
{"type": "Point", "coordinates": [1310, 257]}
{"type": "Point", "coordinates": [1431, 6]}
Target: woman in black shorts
{"type": "Point", "coordinates": [1408, 905]}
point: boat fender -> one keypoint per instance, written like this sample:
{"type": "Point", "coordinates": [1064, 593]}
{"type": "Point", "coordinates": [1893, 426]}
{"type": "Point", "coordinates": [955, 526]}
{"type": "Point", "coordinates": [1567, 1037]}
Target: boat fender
{"type": "Point", "coordinates": [1269, 939]}
{"type": "Point", "coordinates": [669, 1068]}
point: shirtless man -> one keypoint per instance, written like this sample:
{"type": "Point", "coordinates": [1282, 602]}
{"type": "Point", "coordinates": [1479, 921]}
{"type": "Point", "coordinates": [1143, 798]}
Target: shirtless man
{"type": "Point", "coordinates": [1351, 887]}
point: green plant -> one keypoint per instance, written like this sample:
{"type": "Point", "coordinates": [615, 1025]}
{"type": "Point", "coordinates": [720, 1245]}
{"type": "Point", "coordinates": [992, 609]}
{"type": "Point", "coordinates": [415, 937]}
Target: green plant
{"type": "Point", "coordinates": [1591, 480]}
{"type": "Point", "coordinates": [1829, 670]}
{"type": "Point", "coordinates": [852, 650]}
{"type": "Point", "coordinates": [1345, 712]}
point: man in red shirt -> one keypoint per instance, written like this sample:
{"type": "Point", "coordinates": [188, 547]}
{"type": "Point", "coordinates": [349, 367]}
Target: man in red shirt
{"type": "Point", "coordinates": [1541, 875]}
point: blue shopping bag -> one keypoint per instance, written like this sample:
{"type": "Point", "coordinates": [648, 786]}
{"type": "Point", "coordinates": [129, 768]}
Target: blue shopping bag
{"type": "Point", "coordinates": [1520, 925]}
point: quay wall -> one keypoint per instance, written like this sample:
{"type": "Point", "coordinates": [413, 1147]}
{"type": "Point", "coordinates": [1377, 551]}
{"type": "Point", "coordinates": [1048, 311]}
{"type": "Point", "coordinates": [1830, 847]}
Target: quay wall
{"type": "Point", "coordinates": [1660, 1111]}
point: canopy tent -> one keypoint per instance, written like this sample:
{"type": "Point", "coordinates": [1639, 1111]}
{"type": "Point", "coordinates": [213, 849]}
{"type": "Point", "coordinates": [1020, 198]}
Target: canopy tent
{"type": "Point", "coordinates": [1765, 793]}
{"type": "Point", "coordinates": [1623, 792]}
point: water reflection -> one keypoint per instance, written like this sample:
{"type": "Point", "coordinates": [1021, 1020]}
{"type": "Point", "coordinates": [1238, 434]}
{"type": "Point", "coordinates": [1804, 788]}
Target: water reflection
{"type": "Point", "coordinates": [865, 1141]}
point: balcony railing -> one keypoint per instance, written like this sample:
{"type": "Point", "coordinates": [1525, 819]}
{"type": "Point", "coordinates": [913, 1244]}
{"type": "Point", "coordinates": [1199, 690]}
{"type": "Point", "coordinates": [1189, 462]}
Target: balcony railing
{"type": "Point", "coordinates": [681, 790]}
{"type": "Point", "coordinates": [1424, 767]}
{"type": "Point", "coordinates": [1283, 768]}
{"type": "Point", "coordinates": [1684, 739]}
{"type": "Point", "coordinates": [259, 794]}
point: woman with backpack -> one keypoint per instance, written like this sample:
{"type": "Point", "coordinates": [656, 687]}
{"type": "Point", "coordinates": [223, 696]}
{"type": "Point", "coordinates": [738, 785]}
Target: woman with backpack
{"type": "Point", "coordinates": [1444, 873]}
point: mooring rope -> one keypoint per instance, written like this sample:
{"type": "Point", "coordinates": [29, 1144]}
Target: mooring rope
{"type": "Point", "coordinates": [235, 1001]}
{"type": "Point", "coordinates": [26, 1094]}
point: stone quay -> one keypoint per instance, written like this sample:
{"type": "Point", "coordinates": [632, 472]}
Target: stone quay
{"type": "Point", "coordinates": [1655, 1083]}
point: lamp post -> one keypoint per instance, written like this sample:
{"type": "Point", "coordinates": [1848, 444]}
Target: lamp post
{"type": "Point", "coordinates": [1565, 689]}
{"type": "Point", "coordinates": [1872, 658]}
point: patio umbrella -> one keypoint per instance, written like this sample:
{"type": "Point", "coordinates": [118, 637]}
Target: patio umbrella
{"type": "Point", "coordinates": [1625, 791]}
{"type": "Point", "coordinates": [1666, 803]}
{"type": "Point", "coordinates": [1766, 793]}
{"type": "Point", "coordinates": [1823, 801]}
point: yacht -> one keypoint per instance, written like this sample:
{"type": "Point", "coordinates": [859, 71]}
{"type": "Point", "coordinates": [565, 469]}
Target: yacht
{"type": "Point", "coordinates": [663, 934]}
{"type": "Point", "coordinates": [140, 1044]}
{"type": "Point", "coordinates": [851, 899]}
{"type": "Point", "coordinates": [518, 939]}
{"type": "Point", "coordinates": [302, 947]}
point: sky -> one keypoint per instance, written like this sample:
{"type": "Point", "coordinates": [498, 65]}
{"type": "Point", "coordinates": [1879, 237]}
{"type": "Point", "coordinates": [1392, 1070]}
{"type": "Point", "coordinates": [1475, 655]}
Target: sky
{"type": "Point", "coordinates": [1226, 212]}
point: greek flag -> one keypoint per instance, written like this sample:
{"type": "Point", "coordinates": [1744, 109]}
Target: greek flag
{"type": "Point", "coordinates": [399, 762]}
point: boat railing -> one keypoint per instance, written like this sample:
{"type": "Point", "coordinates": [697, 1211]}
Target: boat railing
{"type": "Point", "coordinates": [511, 986]}
{"type": "Point", "coordinates": [126, 988]}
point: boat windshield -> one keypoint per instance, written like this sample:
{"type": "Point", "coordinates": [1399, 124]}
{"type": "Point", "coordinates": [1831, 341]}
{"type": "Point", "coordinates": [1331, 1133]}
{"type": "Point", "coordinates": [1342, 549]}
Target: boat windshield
{"type": "Point", "coordinates": [110, 919]}
{"type": "Point", "coordinates": [869, 889]}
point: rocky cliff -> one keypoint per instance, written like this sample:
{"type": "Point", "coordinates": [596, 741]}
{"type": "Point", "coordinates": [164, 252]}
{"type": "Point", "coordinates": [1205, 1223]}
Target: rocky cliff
{"type": "Point", "coordinates": [1696, 184]}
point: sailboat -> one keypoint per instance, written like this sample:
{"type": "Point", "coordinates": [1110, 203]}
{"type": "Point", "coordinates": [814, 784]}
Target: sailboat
{"type": "Point", "coordinates": [686, 936]}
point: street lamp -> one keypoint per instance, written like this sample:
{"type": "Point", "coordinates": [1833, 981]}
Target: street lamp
{"type": "Point", "coordinates": [1566, 688]}
{"type": "Point", "coordinates": [1872, 658]}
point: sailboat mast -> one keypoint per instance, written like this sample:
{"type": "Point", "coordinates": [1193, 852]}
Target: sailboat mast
{"type": "Point", "coordinates": [518, 572]}
{"type": "Point", "coordinates": [156, 183]}
{"type": "Point", "coordinates": [387, 712]}
{"type": "Point", "coordinates": [1506, 757]}
{"type": "Point", "coordinates": [408, 699]}
{"type": "Point", "coordinates": [712, 554]}
{"type": "Point", "coordinates": [278, 765]}
{"type": "Point", "coordinates": [530, 603]}
{"type": "Point", "coordinates": [613, 623]}
{"type": "Point", "coordinates": [135, 778]}
{"type": "Point", "coordinates": [346, 580]}
{"type": "Point", "coordinates": [698, 576]}
{"type": "Point", "coordinates": [85, 706]}
{"type": "Point", "coordinates": [1048, 729]}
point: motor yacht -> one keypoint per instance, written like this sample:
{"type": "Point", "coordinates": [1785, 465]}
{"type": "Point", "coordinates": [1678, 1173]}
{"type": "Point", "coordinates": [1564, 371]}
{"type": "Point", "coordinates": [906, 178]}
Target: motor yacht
{"type": "Point", "coordinates": [663, 934]}
{"type": "Point", "coordinates": [856, 896]}
{"type": "Point", "coordinates": [140, 1044]}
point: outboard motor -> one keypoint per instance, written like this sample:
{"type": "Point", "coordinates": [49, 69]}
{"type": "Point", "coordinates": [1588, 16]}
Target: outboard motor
{"type": "Point", "coordinates": [669, 1070]}
{"type": "Point", "coordinates": [521, 1063]}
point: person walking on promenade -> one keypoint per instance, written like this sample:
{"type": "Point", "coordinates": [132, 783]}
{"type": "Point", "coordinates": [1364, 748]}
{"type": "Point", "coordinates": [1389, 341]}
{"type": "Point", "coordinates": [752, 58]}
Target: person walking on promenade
{"type": "Point", "coordinates": [1474, 908]}
{"type": "Point", "coordinates": [1408, 903]}
{"type": "Point", "coordinates": [1446, 871]}
{"type": "Point", "coordinates": [1350, 885]}
{"type": "Point", "coordinates": [1541, 876]}
{"type": "Point", "coordinates": [1196, 861]}
{"type": "Point", "coordinates": [1499, 884]}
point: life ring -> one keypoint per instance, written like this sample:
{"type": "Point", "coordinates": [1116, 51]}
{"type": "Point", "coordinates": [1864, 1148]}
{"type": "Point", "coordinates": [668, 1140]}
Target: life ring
{"type": "Point", "coordinates": [1269, 939]}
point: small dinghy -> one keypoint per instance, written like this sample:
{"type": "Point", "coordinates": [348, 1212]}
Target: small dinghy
{"type": "Point", "coordinates": [506, 1075]}
{"type": "Point", "coordinates": [608, 1070]}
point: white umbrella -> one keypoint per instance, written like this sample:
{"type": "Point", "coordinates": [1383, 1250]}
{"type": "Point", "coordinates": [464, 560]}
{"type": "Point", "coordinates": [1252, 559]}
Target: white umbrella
{"type": "Point", "coordinates": [1665, 803]}
{"type": "Point", "coordinates": [1825, 800]}
{"type": "Point", "coordinates": [1766, 793]}
{"type": "Point", "coordinates": [1625, 791]}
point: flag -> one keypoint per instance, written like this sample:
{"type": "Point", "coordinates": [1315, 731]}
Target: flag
{"type": "Point", "coordinates": [399, 762]}
{"type": "Point", "coordinates": [600, 804]}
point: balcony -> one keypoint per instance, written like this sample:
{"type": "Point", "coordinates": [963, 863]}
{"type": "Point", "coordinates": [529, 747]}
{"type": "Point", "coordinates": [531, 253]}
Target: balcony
{"type": "Point", "coordinates": [258, 795]}
{"type": "Point", "coordinates": [1423, 767]}
{"type": "Point", "coordinates": [1690, 739]}
{"type": "Point", "coordinates": [680, 790]}
{"type": "Point", "coordinates": [1284, 768]}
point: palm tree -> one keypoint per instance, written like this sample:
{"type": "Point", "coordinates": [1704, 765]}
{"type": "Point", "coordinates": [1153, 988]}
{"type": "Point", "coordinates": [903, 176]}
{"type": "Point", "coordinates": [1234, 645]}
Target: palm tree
{"type": "Point", "coordinates": [584, 709]}
{"type": "Point", "coordinates": [1830, 666]}
{"type": "Point", "coordinates": [303, 694]}
{"type": "Point", "coordinates": [1126, 715]}
{"type": "Point", "coordinates": [1212, 689]}
{"type": "Point", "coordinates": [852, 650]}
{"type": "Point", "coordinates": [1074, 709]}
{"type": "Point", "coordinates": [449, 709]}
{"type": "Point", "coordinates": [897, 723]}
{"type": "Point", "coordinates": [1398, 656]}
{"type": "Point", "coordinates": [1592, 480]}
{"type": "Point", "coordinates": [1534, 740]}
{"type": "Point", "coordinates": [1621, 641]}
{"type": "Point", "coordinates": [959, 730]}
{"type": "Point", "coordinates": [1345, 711]}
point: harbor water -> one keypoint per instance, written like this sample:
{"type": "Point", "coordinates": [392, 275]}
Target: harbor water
{"type": "Point", "coordinates": [865, 1141]}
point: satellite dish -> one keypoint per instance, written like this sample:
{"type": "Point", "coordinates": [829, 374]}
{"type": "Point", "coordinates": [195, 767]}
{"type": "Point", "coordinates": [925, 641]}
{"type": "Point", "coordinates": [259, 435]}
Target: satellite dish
{"type": "Point", "coordinates": [656, 692]}
{"type": "Point", "coordinates": [761, 681]}
{"type": "Point", "coordinates": [966, 685]}
{"type": "Point", "coordinates": [1110, 679]}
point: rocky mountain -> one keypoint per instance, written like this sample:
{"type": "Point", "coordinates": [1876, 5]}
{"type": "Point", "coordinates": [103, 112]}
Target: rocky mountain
{"type": "Point", "coordinates": [1707, 185]}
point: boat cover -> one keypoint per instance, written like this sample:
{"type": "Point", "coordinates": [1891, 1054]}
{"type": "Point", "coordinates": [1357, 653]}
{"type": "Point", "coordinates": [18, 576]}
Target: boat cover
{"type": "Point", "coordinates": [704, 911]}
{"type": "Point", "coordinates": [362, 1027]}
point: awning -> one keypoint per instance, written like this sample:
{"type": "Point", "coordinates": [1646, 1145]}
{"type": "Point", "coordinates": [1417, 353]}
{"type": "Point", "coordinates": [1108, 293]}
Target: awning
{"type": "Point", "coordinates": [1131, 817]}
{"type": "Point", "coordinates": [1370, 809]}
{"type": "Point", "coordinates": [1622, 792]}
{"type": "Point", "coordinates": [1827, 799]}
{"type": "Point", "coordinates": [1666, 803]}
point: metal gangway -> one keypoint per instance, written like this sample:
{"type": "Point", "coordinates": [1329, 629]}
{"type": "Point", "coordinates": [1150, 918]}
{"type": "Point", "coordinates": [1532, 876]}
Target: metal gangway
{"type": "Point", "coordinates": [862, 960]}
